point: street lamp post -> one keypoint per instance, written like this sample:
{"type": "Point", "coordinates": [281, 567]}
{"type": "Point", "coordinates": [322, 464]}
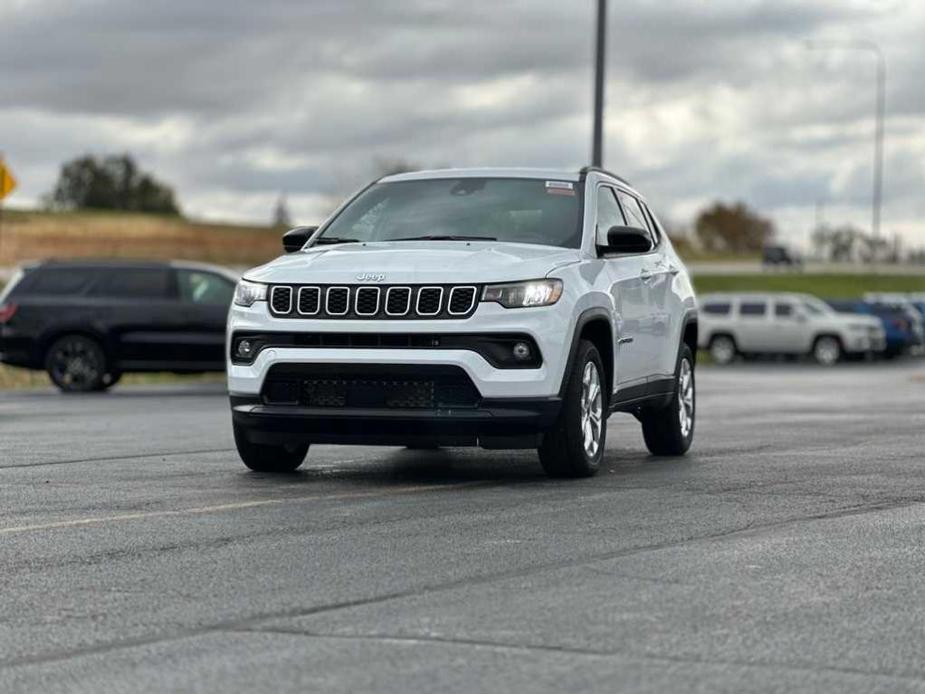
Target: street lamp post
{"type": "Point", "coordinates": [880, 114]}
{"type": "Point", "coordinates": [597, 145]}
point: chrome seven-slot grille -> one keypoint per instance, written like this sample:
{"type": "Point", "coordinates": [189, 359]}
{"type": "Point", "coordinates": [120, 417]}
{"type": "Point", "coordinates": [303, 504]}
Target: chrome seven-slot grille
{"type": "Point", "coordinates": [373, 301]}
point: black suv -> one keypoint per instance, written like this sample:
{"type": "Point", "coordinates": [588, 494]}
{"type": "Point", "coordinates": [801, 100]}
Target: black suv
{"type": "Point", "coordinates": [86, 323]}
{"type": "Point", "coordinates": [780, 256]}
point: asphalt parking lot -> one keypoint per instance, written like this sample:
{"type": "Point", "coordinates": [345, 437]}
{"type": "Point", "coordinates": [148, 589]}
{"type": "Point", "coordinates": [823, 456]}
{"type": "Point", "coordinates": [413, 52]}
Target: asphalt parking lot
{"type": "Point", "coordinates": [783, 554]}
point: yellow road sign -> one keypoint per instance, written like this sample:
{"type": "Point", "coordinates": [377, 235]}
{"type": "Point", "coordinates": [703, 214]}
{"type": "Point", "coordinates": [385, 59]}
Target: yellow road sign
{"type": "Point", "coordinates": [7, 182]}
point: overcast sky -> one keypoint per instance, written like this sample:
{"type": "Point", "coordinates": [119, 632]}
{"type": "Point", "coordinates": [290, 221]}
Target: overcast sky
{"type": "Point", "coordinates": [235, 102]}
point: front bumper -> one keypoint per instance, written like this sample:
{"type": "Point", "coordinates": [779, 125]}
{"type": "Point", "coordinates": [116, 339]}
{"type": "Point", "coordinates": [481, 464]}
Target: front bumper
{"type": "Point", "coordinates": [857, 343]}
{"type": "Point", "coordinates": [495, 423]}
{"type": "Point", "coordinates": [550, 328]}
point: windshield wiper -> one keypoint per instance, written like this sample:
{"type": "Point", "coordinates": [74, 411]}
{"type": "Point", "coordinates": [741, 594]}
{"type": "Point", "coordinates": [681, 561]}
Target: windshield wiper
{"type": "Point", "coordinates": [329, 240]}
{"type": "Point", "coordinates": [440, 237]}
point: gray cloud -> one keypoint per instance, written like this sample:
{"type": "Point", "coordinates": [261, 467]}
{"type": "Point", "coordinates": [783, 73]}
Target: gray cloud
{"type": "Point", "coordinates": [235, 102]}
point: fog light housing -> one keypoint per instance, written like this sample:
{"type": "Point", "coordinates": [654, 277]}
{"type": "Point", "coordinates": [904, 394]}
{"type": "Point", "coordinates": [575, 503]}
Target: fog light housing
{"type": "Point", "coordinates": [245, 349]}
{"type": "Point", "coordinates": [522, 351]}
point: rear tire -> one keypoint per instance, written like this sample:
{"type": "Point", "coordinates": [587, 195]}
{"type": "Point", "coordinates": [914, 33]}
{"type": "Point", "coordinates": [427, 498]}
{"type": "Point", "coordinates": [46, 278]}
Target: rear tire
{"type": "Point", "coordinates": [77, 364]}
{"type": "Point", "coordinates": [669, 430]}
{"type": "Point", "coordinates": [574, 446]}
{"type": "Point", "coordinates": [266, 458]}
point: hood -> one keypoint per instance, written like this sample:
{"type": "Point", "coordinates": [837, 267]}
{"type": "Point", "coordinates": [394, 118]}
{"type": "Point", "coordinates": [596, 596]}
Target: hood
{"type": "Point", "coordinates": [857, 319]}
{"type": "Point", "coordinates": [415, 262]}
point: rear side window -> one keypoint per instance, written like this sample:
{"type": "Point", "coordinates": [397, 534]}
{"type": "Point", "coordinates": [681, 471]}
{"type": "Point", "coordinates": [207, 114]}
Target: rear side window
{"type": "Point", "coordinates": [753, 308]}
{"type": "Point", "coordinates": [57, 281]}
{"type": "Point", "coordinates": [717, 308]}
{"type": "Point", "coordinates": [136, 283]}
{"type": "Point", "coordinates": [11, 286]}
{"type": "Point", "coordinates": [783, 310]}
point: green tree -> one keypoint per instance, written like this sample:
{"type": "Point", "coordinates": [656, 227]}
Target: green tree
{"type": "Point", "coordinates": [732, 229]}
{"type": "Point", "coordinates": [111, 183]}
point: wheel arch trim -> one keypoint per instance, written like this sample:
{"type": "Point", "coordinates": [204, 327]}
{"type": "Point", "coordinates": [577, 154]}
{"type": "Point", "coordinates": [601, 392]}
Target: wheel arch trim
{"type": "Point", "coordinates": [589, 315]}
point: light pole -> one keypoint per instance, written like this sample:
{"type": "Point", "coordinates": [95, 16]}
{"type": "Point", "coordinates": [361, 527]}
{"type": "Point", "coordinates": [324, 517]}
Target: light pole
{"type": "Point", "coordinates": [597, 145]}
{"type": "Point", "coordinates": [880, 114]}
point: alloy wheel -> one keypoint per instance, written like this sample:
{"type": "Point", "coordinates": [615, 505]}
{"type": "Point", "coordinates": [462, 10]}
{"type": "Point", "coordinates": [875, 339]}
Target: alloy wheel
{"type": "Point", "coordinates": [76, 363]}
{"type": "Point", "coordinates": [686, 398]}
{"type": "Point", "coordinates": [592, 409]}
{"type": "Point", "coordinates": [722, 349]}
{"type": "Point", "coordinates": [827, 351]}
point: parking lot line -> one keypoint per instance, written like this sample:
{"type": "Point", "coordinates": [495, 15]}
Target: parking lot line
{"type": "Point", "coordinates": [234, 506]}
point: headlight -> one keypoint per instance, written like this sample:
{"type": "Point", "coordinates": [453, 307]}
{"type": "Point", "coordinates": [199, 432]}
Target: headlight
{"type": "Point", "coordinates": [524, 294]}
{"type": "Point", "coordinates": [246, 293]}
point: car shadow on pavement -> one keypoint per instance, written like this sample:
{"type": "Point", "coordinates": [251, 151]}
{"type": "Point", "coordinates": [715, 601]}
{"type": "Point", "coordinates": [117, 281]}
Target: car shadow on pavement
{"type": "Point", "coordinates": [384, 467]}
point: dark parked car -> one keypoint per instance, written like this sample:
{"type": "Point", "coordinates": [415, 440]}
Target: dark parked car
{"type": "Point", "coordinates": [899, 329]}
{"type": "Point", "coordinates": [780, 255]}
{"type": "Point", "coordinates": [86, 323]}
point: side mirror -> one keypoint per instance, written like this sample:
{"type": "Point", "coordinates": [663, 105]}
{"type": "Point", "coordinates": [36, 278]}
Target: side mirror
{"type": "Point", "coordinates": [294, 239]}
{"type": "Point", "coordinates": [627, 240]}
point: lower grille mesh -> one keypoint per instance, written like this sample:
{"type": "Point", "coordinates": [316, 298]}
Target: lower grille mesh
{"type": "Point", "coordinates": [371, 391]}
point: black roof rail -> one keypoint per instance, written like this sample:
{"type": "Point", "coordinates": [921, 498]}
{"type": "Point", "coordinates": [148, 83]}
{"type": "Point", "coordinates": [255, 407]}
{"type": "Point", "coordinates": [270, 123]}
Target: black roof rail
{"type": "Point", "coordinates": [598, 169]}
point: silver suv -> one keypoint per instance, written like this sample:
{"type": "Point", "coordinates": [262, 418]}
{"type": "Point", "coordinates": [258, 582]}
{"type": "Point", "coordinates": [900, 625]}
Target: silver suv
{"type": "Point", "coordinates": [749, 323]}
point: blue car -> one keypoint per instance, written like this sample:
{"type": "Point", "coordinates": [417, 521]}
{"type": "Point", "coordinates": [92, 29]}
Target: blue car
{"type": "Point", "coordinates": [899, 329]}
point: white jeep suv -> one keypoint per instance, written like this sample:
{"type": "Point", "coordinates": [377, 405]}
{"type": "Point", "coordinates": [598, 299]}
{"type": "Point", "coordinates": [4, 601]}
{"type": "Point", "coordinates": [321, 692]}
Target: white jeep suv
{"type": "Point", "coordinates": [505, 308]}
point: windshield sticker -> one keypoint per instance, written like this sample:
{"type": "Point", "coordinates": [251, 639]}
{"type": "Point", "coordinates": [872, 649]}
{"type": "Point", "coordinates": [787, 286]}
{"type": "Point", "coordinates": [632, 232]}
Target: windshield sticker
{"type": "Point", "coordinates": [560, 188]}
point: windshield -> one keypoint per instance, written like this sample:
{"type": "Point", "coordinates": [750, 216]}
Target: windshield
{"type": "Point", "coordinates": [503, 209]}
{"type": "Point", "coordinates": [816, 306]}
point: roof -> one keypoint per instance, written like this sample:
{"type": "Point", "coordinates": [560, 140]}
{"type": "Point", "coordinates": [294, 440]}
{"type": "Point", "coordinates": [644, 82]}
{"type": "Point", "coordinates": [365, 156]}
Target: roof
{"type": "Point", "coordinates": [753, 295]}
{"type": "Point", "coordinates": [557, 174]}
{"type": "Point", "coordinates": [127, 263]}
{"type": "Point", "coordinates": [510, 172]}
{"type": "Point", "coordinates": [96, 262]}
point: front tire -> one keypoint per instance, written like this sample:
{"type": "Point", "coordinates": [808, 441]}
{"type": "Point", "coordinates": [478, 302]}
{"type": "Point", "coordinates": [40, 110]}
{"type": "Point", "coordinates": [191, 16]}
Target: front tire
{"type": "Point", "coordinates": [266, 458]}
{"type": "Point", "coordinates": [77, 364]}
{"type": "Point", "coordinates": [575, 444]}
{"type": "Point", "coordinates": [723, 350]}
{"type": "Point", "coordinates": [827, 350]}
{"type": "Point", "coordinates": [669, 430]}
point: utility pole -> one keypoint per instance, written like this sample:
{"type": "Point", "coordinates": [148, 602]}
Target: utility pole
{"type": "Point", "coordinates": [879, 117]}
{"type": "Point", "coordinates": [597, 146]}
{"type": "Point", "coordinates": [878, 140]}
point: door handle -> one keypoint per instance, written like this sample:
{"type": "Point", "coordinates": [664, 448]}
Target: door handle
{"type": "Point", "coordinates": [645, 275]}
